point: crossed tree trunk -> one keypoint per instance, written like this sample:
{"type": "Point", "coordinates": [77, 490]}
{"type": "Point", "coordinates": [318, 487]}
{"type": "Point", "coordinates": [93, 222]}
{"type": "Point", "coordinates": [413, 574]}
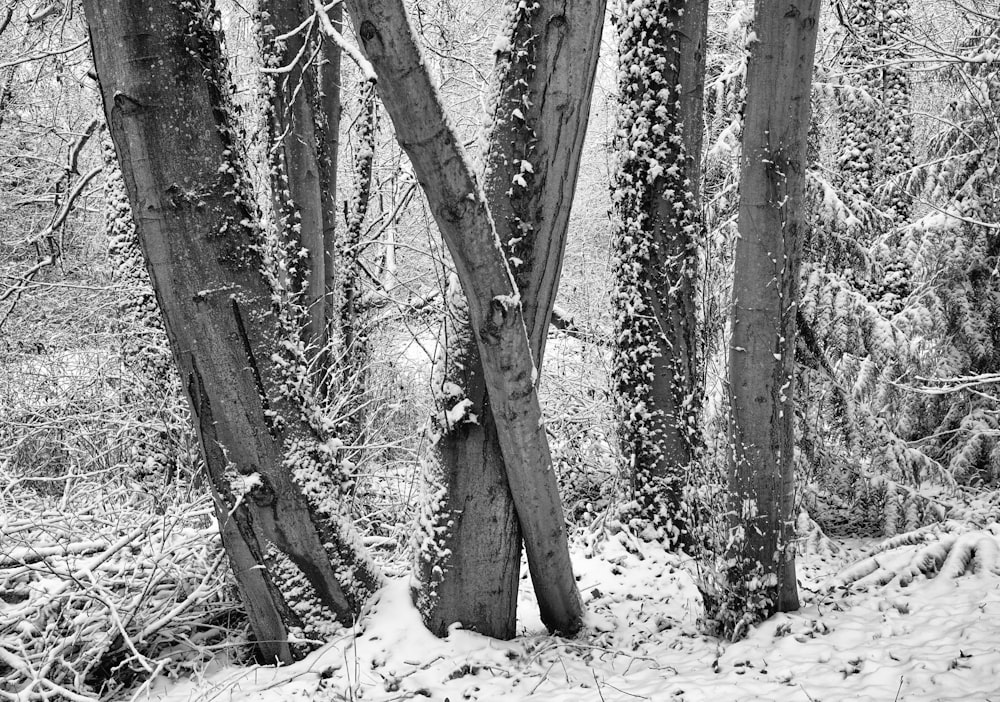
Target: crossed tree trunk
{"type": "Point", "coordinates": [166, 92]}
{"type": "Point", "coordinates": [496, 313]}
{"type": "Point", "coordinates": [275, 474]}
{"type": "Point", "coordinates": [539, 111]}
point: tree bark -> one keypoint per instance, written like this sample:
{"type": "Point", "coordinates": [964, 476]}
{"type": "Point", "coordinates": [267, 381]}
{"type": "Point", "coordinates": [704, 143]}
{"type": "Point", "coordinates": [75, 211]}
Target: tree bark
{"type": "Point", "coordinates": [765, 292]}
{"type": "Point", "coordinates": [897, 92]}
{"type": "Point", "coordinates": [468, 562]}
{"type": "Point", "coordinates": [539, 114]}
{"type": "Point", "coordinates": [328, 133]}
{"type": "Point", "coordinates": [658, 236]}
{"type": "Point", "coordinates": [350, 252]}
{"type": "Point", "coordinates": [166, 93]}
{"type": "Point", "coordinates": [540, 111]}
{"type": "Point", "coordinates": [145, 351]}
{"type": "Point", "coordinates": [861, 132]}
{"type": "Point", "coordinates": [295, 167]}
{"type": "Point", "coordinates": [495, 309]}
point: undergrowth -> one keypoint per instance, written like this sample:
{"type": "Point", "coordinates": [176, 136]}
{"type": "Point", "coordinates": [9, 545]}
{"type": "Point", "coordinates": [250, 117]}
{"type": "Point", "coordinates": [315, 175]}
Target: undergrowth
{"type": "Point", "coordinates": [105, 584]}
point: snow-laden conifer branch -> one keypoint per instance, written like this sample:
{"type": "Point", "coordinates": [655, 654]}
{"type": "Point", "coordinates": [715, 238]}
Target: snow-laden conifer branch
{"type": "Point", "coordinates": [947, 550]}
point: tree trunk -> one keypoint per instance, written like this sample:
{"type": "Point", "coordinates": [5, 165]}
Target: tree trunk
{"type": "Point", "coordinates": [540, 112]}
{"type": "Point", "coordinates": [861, 131]}
{"type": "Point", "coordinates": [328, 133]}
{"type": "Point", "coordinates": [540, 109]}
{"type": "Point", "coordinates": [166, 97]}
{"type": "Point", "coordinates": [495, 309]}
{"type": "Point", "coordinates": [761, 580]}
{"type": "Point", "coordinates": [876, 129]}
{"type": "Point", "coordinates": [894, 285]}
{"type": "Point", "coordinates": [897, 90]}
{"type": "Point", "coordinates": [658, 236]}
{"type": "Point", "coordinates": [469, 558]}
{"type": "Point", "coordinates": [350, 251]}
{"type": "Point", "coordinates": [354, 362]}
{"type": "Point", "coordinates": [295, 167]}
{"type": "Point", "coordinates": [145, 351]}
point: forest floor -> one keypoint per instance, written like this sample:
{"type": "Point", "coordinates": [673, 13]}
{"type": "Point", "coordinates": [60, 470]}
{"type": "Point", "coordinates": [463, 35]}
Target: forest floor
{"type": "Point", "coordinates": [935, 639]}
{"type": "Point", "coordinates": [90, 564]}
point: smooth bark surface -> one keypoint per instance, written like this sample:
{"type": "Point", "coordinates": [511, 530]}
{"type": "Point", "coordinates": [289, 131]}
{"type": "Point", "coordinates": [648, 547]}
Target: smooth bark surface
{"type": "Point", "coordinates": [469, 560]}
{"type": "Point", "coordinates": [538, 118]}
{"type": "Point", "coordinates": [765, 290]}
{"type": "Point", "coordinates": [463, 216]}
{"type": "Point", "coordinates": [539, 123]}
{"type": "Point", "coordinates": [166, 97]}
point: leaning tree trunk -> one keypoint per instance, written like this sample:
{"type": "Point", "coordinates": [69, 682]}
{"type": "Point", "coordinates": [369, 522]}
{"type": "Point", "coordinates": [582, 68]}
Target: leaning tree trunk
{"type": "Point", "coordinates": [145, 350]}
{"type": "Point", "coordinates": [166, 93]}
{"type": "Point", "coordinates": [657, 241]}
{"type": "Point", "coordinates": [546, 66]}
{"type": "Point", "coordinates": [760, 577]}
{"type": "Point", "coordinates": [495, 307]}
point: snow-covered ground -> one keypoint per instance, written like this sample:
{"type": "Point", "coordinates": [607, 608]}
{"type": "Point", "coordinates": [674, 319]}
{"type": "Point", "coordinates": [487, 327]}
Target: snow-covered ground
{"type": "Point", "coordinates": [936, 639]}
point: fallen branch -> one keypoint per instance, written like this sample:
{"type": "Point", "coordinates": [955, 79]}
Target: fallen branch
{"type": "Point", "coordinates": [26, 555]}
{"type": "Point", "coordinates": [92, 610]}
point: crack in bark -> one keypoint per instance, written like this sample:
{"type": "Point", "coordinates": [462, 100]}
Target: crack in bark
{"type": "Point", "coordinates": [254, 368]}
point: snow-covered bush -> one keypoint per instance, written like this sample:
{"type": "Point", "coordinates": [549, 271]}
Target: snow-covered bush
{"type": "Point", "coordinates": [103, 585]}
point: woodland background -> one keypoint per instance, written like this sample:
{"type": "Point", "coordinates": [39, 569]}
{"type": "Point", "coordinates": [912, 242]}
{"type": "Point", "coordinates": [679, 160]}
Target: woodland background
{"type": "Point", "coordinates": [110, 561]}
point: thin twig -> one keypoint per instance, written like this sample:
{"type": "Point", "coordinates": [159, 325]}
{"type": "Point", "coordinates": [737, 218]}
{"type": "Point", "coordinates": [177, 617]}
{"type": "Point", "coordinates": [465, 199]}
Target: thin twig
{"type": "Point", "coordinates": [545, 677]}
{"type": "Point", "coordinates": [46, 54]}
{"type": "Point", "coordinates": [597, 683]}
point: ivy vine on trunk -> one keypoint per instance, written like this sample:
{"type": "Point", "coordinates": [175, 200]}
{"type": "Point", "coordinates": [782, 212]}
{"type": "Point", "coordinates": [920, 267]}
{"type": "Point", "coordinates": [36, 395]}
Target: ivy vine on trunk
{"type": "Point", "coordinates": [275, 475]}
{"type": "Point", "coordinates": [657, 244]}
{"type": "Point", "coordinates": [496, 309]}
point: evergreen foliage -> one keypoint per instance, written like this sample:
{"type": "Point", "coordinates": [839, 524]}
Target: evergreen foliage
{"type": "Point", "coordinates": [900, 298]}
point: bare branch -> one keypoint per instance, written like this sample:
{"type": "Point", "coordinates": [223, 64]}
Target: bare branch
{"type": "Point", "coordinates": [329, 30]}
{"type": "Point", "coordinates": [46, 54]}
{"type": "Point", "coordinates": [41, 12]}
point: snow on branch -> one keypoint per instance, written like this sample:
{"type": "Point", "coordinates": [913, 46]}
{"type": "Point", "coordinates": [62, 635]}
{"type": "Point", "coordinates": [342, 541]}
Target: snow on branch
{"type": "Point", "coordinates": [948, 550]}
{"type": "Point", "coordinates": [329, 30]}
{"type": "Point", "coordinates": [115, 586]}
